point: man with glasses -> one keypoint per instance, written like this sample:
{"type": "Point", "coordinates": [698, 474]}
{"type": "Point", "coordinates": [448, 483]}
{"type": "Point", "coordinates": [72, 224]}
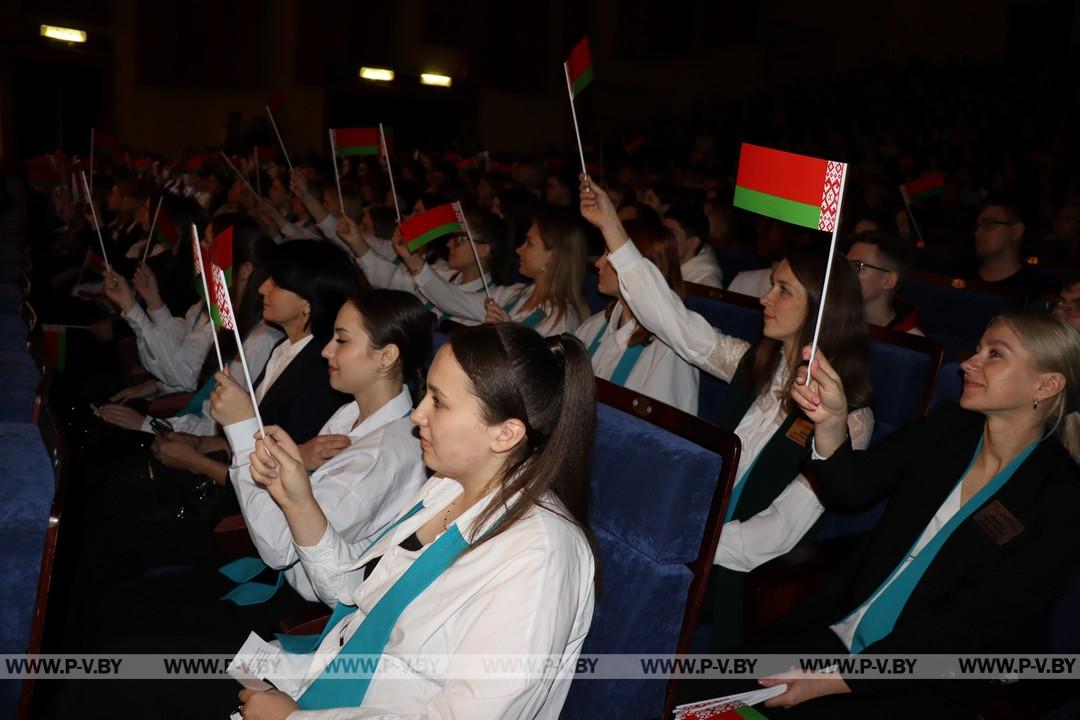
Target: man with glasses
{"type": "Point", "coordinates": [1067, 303]}
{"type": "Point", "coordinates": [882, 262]}
{"type": "Point", "coordinates": [999, 237]}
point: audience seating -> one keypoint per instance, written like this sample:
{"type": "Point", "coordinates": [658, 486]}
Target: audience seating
{"type": "Point", "coordinates": [660, 483]}
{"type": "Point", "coordinates": [733, 262]}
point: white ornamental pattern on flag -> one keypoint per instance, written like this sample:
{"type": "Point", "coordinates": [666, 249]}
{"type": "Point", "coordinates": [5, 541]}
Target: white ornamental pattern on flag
{"type": "Point", "coordinates": [830, 196]}
{"type": "Point", "coordinates": [221, 299]}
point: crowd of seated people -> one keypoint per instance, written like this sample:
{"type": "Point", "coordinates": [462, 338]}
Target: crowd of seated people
{"type": "Point", "coordinates": [435, 497]}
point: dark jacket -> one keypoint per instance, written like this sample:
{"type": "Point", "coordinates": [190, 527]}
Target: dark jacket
{"type": "Point", "coordinates": [301, 399]}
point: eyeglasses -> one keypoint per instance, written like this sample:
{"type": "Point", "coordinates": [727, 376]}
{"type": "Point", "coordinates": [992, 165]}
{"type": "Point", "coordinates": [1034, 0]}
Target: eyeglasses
{"type": "Point", "coordinates": [858, 265]}
{"type": "Point", "coordinates": [987, 223]}
{"type": "Point", "coordinates": [1069, 307]}
{"type": "Point", "coordinates": [459, 239]}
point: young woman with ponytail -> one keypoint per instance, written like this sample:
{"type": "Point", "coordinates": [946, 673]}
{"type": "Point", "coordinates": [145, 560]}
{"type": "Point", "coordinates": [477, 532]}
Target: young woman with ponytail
{"type": "Point", "coordinates": [364, 463]}
{"type": "Point", "coordinates": [492, 556]}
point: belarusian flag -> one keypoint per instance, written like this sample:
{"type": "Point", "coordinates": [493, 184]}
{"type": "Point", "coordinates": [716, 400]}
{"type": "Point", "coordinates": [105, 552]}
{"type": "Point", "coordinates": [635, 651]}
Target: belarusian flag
{"type": "Point", "coordinates": [166, 232]}
{"type": "Point", "coordinates": [276, 101]}
{"type": "Point", "coordinates": [422, 229]}
{"type": "Point", "coordinates": [54, 338]}
{"type": "Point", "coordinates": [41, 172]}
{"type": "Point", "coordinates": [142, 165]}
{"type": "Point", "coordinates": [219, 288]}
{"type": "Point", "coordinates": [579, 66]}
{"type": "Point", "coordinates": [356, 141]}
{"type": "Point", "coordinates": [104, 143]}
{"type": "Point", "coordinates": [195, 164]}
{"type": "Point", "coordinates": [265, 155]}
{"type": "Point", "coordinates": [798, 189]}
{"type": "Point", "coordinates": [924, 187]}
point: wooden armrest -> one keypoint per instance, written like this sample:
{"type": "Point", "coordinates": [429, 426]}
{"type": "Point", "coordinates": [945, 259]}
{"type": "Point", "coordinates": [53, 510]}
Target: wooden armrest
{"type": "Point", "coordinates": [169, 405]}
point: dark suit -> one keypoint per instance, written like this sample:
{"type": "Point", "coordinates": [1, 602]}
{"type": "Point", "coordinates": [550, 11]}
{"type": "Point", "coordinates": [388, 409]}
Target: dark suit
{"type": "Point", "coordinates": [979, 594]}
{"type": "Point", "coordinates": [301, 399]}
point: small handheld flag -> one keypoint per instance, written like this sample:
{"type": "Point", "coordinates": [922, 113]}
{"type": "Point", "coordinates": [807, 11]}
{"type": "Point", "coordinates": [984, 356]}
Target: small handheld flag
{"type": "Point", "coordinates": [355, 141]}
{"type": "Point", "coordinates": [435, 223]}
{"type": "Point", "coordinates": [389, 170]}
{"type": "Point", "coordinates": [920, 189]}
{"type": "Point", "coordinates": [97, 225]}
{"type": "Point", "coordinates": [579, 73]}
{"type": "Point", "coordinates": [150, 234]}
{"type": "Point", "coordinates": [272, 107]}
{"type": "Point", "coordinates": [238, 174]}
{"type": "Point", "coordinates": [472, 244]}
{"type": "Point", "coordinates": [337, 175]}
{"type": "Point", "coordinates": [201, 268]}
{"type": "Point", "coordinates": [228, 318]}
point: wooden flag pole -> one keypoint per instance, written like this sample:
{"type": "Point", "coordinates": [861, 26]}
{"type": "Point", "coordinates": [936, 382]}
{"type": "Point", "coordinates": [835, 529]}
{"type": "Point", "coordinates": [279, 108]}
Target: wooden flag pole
{"type": "Point", "coordinates": [97, 225]}
{"type": "Point", "coordinates": [337, 176]}
{"type": "Point", "coordinates": [389, 171]}
{"type": "Point", "coordinates": [911, 214]}
{"type": "Point", "coordinates": [577, 132]}
{"type": "Point", "coordinates": [90, 187]}
{"type": "Point", "coordinates": [258, 181]}
{"type": "Point", "coordinates": [472, 244]}
{"type": "Point", "coordinates": [828, 273]}
{"type": "Point", "coordinates": [219, 277]}
{"type": "Point", "coordinates": [280, 141]}
{"type": "Point", "coordinates": [206, 292]}
{"type": "Point", "coordinates": [150, 235]}
{"type": "Point", "coordinates": [238, 173]}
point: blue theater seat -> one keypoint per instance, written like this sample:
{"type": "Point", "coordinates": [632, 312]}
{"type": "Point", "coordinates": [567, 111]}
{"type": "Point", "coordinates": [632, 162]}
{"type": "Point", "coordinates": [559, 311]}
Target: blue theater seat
{"type": "Point", "coordinates": [733, 262]}
{"type": "Point", "coordinates": [19, 379]}
{"type": "Point", "coordinates": [954, 316]}
{"type": "Point", "coordinates": [13, 331]}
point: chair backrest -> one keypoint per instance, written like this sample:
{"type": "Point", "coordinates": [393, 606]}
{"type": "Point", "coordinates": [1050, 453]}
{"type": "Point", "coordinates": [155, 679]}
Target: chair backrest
{"type": "Point", "coordinates": [660, 482]}
{"type": "Point", "coordinates": [731, 313]}
{"type": "Point", "coordinates": [733, 262]}
{"type": "Point", "coordinates": [956, 311]}
{"type": "Point", "coordinates": [949, 384]}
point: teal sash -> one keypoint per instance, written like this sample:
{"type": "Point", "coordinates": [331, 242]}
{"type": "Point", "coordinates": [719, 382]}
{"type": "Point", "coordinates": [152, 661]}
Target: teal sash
{"type": "Point", "coordinates": [883, 612]}
{"type": "Point", "coordinates": [532, 320]}
{"type": "Point", "coordinates": [740, 483]}
{"type": "Point", "coordinates": [629, 358]}
{"type": "Point", "coordinates": [195, 405]}
{"type": "Point", "coordinates": [371, 637]}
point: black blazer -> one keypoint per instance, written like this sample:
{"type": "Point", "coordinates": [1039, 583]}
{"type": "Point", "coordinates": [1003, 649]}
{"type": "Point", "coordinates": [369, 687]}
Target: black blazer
{"type": "Point", "coordinates": [301, 399]}
{"type": "Point", "coordinates": [980, 594]}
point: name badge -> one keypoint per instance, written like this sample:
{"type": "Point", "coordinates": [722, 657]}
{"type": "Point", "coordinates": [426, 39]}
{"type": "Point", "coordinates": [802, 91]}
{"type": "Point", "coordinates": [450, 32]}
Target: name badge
{"type": "Point", "coordinates": [799, 432]}
{"type": "Point", "coordinates": [997, 522]}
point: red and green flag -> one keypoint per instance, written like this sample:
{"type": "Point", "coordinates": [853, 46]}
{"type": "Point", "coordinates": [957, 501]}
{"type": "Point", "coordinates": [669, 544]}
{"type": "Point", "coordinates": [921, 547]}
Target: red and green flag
{"type": "Point", "coordinates": [165, 231]}
{"type": "Point", "coordinates": [218, 256]}
{"type": "Point", "coordinates": [42, 173]}
{"type": "Point", "coordinates": [924, 187]}
{"type": "Point", "coordinates": [195, 164]}
{"type": "Point", "coordinates": [276, 101]}
{"type": "Point", "coordinates": [54, 339]}
{"type": "Point", "coordinates": [104, 144]}
{"type": "Point", "coordinates": [356, 141]}
{"type": "Point", "coordinates": [142, 165]}
{"type": "Point", "coordinates": [435, 223]}
{"type": "Point", "coordinates": [265, 155]}
{"type": "Point", "coordinates": [222, 307]}
{"type": "Point", "coordinates": [798, 189]}
{"type": "Point", "coordinates": [579, 68]}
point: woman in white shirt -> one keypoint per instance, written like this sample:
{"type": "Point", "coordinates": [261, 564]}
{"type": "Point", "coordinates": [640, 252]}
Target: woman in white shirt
{"type": "Point", "coordinates": [382, 339]}
{"type": "Point", "coordinates": [552, 256]}
{"type": "Point", "coordinates": [494, 550]}
{"type": "Point", "coordinates": [772, 505]}
{"type": "Point", "coordinates": [624, 352]}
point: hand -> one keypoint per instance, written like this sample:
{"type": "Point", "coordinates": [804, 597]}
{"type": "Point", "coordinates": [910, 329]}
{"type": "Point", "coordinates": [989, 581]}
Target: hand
{"type": "Point", "coordinates": [298, 184]}
{"type": "Point", "coordinates": [597, 208]}
{"type": "Point", "coordinates": [321, 448]}
{"type": "Point", "coordinates": [823, 401]}
{"type": "Point", "coordinates": [119, 291]}
{"type": "Point", "coordinates": [136, 392]}
{"type": "Point", "coordinates": [413, 261]}
{"type": "Point", "coordinates": [806, 686]}
{"type": "Point", "coordinates": [350, 234]}
{"type": "Point", "coordinates": [175, 450]}
{"type": "Point", "coordinates": [266, 705]}
{"type": "Point", "coordinates": [493, 313]}
{"type": "Point", "coordinates": [146, 285]}
{"type": "Point", "coordinates": [229, 402]}
{"type": "Point", "coordinates": [278, 465]}
{"type": "Point", "coordinates": [122, 416]}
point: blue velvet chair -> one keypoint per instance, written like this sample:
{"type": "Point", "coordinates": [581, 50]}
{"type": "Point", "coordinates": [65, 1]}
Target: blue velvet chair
{"type": "Point", "coordinates": [19, 380]}
{"type": "Point", "coordinates": [733, 262]}
{"type": "Point", "coordinates": [949, 384]}
{"type": "Point", "coordinates": [660, 480]}
{"type": "Point", "coordinates": [590, 290]}
{"type": "Point", "coordinates": [956, 316]}
{"type": "Point", "coordinates": [731, 313]}
{"type": "Point", "coordinates": [11, 297]}
{"type": "Point", "coordinates": [13, 331]}
{"type": "Point", "coordinates": [438, 339]}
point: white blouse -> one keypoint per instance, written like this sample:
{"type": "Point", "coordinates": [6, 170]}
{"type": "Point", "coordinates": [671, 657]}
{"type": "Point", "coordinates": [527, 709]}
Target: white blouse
{"type": "Point", "coordinates": [658, 372]}
{"type": "Point", "coordinates": [772, 532]}
{"type": "Point", "coordinates": [360, 490]}
{"type": "Point", "coordinates": [172, 349]}
{"type": "Point", "coordinates": [384, 273]}
{"type": "Point", "coordinates": [526, 591]}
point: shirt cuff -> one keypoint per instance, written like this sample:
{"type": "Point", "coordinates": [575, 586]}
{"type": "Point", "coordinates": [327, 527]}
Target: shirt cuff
{"type": "Point", "coordinates": [162, 314]}
{"type": "Point", "coordinates": [814, 454]}
{"type": "Point", "coordinates": [241, 437]}
{"type": "Point", "coordinates": [135, 315]}
{"type": "Point", "coordinates": [328, 226]}
{"type": "Point", "coordinates": [322, 551]}
{"type": "Point", "coordinates": [424, 277]}
{"type": "Point", "coordinates": [624, 257]}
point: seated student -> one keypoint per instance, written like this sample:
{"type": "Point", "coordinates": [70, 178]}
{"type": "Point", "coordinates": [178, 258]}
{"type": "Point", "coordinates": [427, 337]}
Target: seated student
{"type": "Point", "coordinates": [368, 463]}
{"type": "Point", "coordinates": [491, 556]}
{"type": "Point", "coordinates": [325, 211]}
{"type": "Point", "coordinates": [882, 262]}
{"type": "Point", "coordinates": [999, 240]}
{"type": "Point", "coordinates": [552, 256]}
{"type": "Point", "coordinates": [772, 505]}
{"type": "Point", "coordinates": [623, 351]}
{"type": "Point", "coordinates": [977, 540]}
{"type": "Point", "coordinates": [1066, 306]}
{"type": "Point", "coordinates": [772, 241]}
{"type": "Point", "coordinates": [251, 254]}
{"type": "Point", "coordinates": [697, 260]}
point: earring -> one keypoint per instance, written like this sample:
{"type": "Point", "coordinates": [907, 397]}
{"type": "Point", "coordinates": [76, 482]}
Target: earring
{"type": "Point", "coordinates": [1035, 404]}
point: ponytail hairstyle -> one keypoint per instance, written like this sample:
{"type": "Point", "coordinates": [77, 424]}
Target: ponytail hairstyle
{"type": "Point", "coordinates": [547, 384]}
{"type": "Point", "coordinates": [395, 317]}
{"type": "Point", "coordinates": [1055, 347]}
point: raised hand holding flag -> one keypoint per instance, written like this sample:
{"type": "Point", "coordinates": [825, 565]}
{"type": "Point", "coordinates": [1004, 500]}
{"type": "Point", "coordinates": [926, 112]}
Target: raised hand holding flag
{"type": "Point", "coordinates": [228, 320]}
{"type": "Point", "coordinates": [579, 73]}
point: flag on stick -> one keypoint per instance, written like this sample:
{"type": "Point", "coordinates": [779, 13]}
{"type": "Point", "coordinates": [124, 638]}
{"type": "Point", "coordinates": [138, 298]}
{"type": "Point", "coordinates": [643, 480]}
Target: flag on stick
{"type": "Point", "coordinates": [239, 174]}
{"type": "Point", "coordinates": [153, 227]}
{"type": "Point", "coordinates": [472, 244]}
{"type": "Point", "coordinates": [579, 73]}
{"type": "Point", "coordinates": [270, 110]}
{"type": "Point", "coordinates": [202, 269]}
{"type": "Point", "coordinates": [355, 141]}
{"type": "Point", "coordinates": [97, 225]}
{"type": "Point", "coordinates": [389, 170]}
{"type": "Point", "coordinates": [798, 189]}
{"type": "Point", "coordinates": [924, 187]}
{"type": "Point", "coordinates": [228, 317]}
{"type": "Point", "coordinates": [41, 173]}
{"type": "Point", "coordinates": [337, 175]}
{"type": "Point", "coordinates": [435, 223]}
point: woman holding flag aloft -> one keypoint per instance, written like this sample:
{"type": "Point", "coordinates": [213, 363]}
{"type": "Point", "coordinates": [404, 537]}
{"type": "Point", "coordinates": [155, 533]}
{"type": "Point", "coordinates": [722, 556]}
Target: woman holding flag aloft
{"type": "Point", "coordinates": [772, 505]}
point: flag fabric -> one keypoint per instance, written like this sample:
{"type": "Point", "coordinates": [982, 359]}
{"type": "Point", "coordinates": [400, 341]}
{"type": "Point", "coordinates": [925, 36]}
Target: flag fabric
{"type": "Point", "coordinates": [166, 232]}
{"type": "Point", "coordinates": [276, 101]}
{"type": "Point", "coordinates": [356, 141]}
{"type": "Point", "coordinates": [725, 712]}
{"type": "Point", "coordinates": [142, 165]}
{"type": "Point", "coordinates": [798, 189]}
{"type": "Point", "coordinates": [94, 260]}
{"type": "Point", "coordinates": [219, 256]}
{"type": "Point", "coordinates": [219, 288]}
{"type": "Point", "coordinates": [924, 187]}
{"type": "Point", "coordinates": [265, 155]}
{"type": "Point", "coordinates": [104, 144]}
{"type": "Point", "coordinates": [579, 66]}
{"type": "Point", "coordinates": [54, 338]}
{"type": "Point", "coordinates": [42, 173]}
{"type": "Point", "coordinates": [195, 164]}
{"type": "Point", "coordinates": [435, 223]}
